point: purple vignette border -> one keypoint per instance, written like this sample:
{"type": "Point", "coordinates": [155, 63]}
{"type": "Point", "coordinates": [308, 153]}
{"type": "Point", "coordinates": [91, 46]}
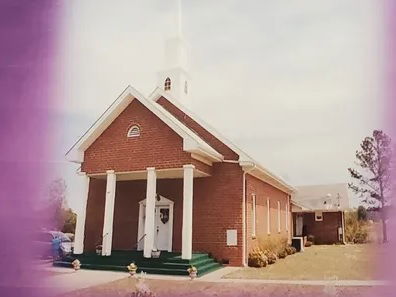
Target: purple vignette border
{"type": "Point", "coordinates": [28, 52]}
{"type": "Point", "coordinates": [29, 32]}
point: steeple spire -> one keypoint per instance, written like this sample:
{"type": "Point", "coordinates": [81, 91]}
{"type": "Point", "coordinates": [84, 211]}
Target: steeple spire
{"type": "Point", "coordinates": [179, 18]}
{"type": "Point", "coordinates": [174, 79]}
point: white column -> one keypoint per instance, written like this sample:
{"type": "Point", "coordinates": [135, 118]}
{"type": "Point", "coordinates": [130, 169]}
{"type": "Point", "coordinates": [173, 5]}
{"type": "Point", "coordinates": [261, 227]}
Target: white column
{"type": "Point", "coordinates": [109, 213]}
{"type": "Point", "coordinates": [150, 212]}
{"type": "Point", "coordinates": [188, 180]}
{"type": "Point", "coordinates": [140, 238]}
{"type": "Point", "coordinates": [80, 224]}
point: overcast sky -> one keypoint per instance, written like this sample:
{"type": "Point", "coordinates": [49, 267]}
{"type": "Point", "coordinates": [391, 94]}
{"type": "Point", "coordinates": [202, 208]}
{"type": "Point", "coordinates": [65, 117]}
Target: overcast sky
{"type": "Point", "coordinates": [296, 84]}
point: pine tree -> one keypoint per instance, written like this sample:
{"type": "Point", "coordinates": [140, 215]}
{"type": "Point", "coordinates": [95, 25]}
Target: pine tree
{"type": "Point", "coordinates": [373, 179]}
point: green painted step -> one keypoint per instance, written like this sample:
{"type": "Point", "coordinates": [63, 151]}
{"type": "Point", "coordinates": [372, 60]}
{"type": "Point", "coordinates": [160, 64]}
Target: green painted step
{"type": "Point", "coordinates": [208, 268]}
{"type": "Point", "coordinates": [153, 270]}
{"type": "Point", "coordinates": [174, 265]}
{"type": "Point", "coordinates": [168, 263]}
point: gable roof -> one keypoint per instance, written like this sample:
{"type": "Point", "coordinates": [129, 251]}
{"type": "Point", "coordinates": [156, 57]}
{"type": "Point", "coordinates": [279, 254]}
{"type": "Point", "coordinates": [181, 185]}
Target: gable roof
{"type": "Point", "coordinates": [191, 142]}
{"type": "Point", "coordinates": [324, 197]}
{"type": "Point", "coordinates": [158, 93]}
{"type": "Point", "coordinates": [298, 206]}
{"type": "Point", "coordinates": [247, 162]}
{"type": "Point", "coordinates": [198, 129]}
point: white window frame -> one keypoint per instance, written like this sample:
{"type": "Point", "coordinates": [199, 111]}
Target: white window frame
{"type": "Point", "coordinates": [318, 216]}
{"type": "Point", "coordinates": [167, 84]}
{"type": "Point", "coordinates": [253, 215]}
{"type": "Point", "coordinates": [268, 217]}
{"type": "Point", "coordinates": [130, 134]}
{"type": "Point", "coordinates": [279, 217]}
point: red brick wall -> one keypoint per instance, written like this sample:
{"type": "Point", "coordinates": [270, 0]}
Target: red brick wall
{"type": "Point", "coordinates": [217, 208]}
{"type": "Point", "coordinates": [263, 191]}
{"type": "Point", "coordinates": [199, 130]}
{"type": "Point", "coordinates": [94, 213]}
{"type": "Point", "coordinates": [157, 146]}
{"type": "Point", "coordinates": [326, 231]}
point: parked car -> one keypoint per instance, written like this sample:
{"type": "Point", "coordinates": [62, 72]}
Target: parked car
{"type": "Point", "coordinates": [52, 244]}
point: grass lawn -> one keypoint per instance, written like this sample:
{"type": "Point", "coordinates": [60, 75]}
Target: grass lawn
{"type": "Point", "coordinates": [351, 262]}
{"type": "Point", "coordinates": [319, 262]}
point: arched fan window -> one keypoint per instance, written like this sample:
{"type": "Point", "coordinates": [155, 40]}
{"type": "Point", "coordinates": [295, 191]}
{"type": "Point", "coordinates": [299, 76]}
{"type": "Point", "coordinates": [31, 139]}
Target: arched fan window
{"type": "Point", "coordinates": [167, 86]}
{"type": "Point", "coordinates": [134, 131]}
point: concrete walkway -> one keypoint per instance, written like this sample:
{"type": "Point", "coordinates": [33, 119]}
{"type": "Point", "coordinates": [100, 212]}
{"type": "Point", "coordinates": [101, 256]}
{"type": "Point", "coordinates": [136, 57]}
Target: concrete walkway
{"type": "Point", "coordinates": [63, 280]}
{"type": "Point", "coordinates": [217, 277]}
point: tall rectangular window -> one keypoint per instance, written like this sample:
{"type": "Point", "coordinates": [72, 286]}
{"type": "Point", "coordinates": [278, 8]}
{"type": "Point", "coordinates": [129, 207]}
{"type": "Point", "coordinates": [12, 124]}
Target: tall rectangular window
{"type": "Point", "coordinates": [279, 217]}
{"type": "Point", "coordinates": [253, 215]}
{"type": "Point", "coordinates": [268, 217]}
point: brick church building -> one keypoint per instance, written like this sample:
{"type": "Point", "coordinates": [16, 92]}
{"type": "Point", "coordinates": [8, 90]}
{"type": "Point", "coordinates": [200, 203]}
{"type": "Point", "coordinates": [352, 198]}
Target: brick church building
{"type": "Point", "coordinates": [158, 178]}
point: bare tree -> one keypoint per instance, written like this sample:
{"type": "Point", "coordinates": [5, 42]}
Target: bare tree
{"type": "Point", "coordinates": [57, 201]}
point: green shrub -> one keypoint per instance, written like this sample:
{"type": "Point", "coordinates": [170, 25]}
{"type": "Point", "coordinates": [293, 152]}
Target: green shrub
{"type": "Point", "coordinates": [271, 257]}
{"type": "Point", "coordinates": [273, 244]}
{"type": "Point", "coordinates": [289, 250]}
{"type": "Point", "coordinates": [356, 231]}
{"type": "Point", "coordinates": [361, 236]}
{"type": "Point", "coordinates": [311, 238]}
{"type": "Point", "coordinates": [257, 258]}
{"type": "Point", "coordinates": [282, 254]}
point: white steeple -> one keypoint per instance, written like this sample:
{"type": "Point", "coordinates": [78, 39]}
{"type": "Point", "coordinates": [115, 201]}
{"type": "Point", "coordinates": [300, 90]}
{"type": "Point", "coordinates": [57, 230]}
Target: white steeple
{"type": "Point", "coordinates": [174, 78]}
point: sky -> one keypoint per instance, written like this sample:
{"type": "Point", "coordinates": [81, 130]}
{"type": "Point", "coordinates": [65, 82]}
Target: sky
{"type": "Point", "coordinates": [295, 84]}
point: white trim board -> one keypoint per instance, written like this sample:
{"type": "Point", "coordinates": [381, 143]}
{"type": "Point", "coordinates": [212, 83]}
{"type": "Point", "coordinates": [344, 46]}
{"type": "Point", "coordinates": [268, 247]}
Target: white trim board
{"type": "Point", "coordinates": [191, 142]}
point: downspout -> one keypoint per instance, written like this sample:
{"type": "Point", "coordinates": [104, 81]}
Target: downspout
{"type": "Point", "coordinates": [288, 219]}
{"type": "Point", "coordinates": [292, 219]}
{"type": "Point", "coordinates": [343, 226]}
{"type": "Point", "coordinates": [244, 224]}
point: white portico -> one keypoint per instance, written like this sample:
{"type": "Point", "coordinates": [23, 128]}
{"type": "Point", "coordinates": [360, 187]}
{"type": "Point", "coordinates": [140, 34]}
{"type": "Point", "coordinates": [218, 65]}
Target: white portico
{"type": "Point", "coordinates": [151, 234]}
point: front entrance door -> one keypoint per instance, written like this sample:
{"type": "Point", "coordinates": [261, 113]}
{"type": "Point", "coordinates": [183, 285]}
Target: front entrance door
{"type": "Point", "coordinates": [299, 224]}
{"type": "Point", "coordinates": [161, 228]}
{"type": "Point", "coordinates": [163, 224]}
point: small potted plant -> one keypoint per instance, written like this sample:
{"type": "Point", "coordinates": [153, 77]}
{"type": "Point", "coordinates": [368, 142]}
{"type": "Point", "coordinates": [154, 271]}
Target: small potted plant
{"type": "Point", "coordinates": [98, 249]}
{"type": "Point", "coordinates": [76, 264]}
{"type": "Point", "coordinates": [98, 245]}
{"type": "Point", "coordinates": [192, 271]}
{"type": "Point", "coordinates": [155, 254]}
{"type": "Point", "coordinates": [132, 268]}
